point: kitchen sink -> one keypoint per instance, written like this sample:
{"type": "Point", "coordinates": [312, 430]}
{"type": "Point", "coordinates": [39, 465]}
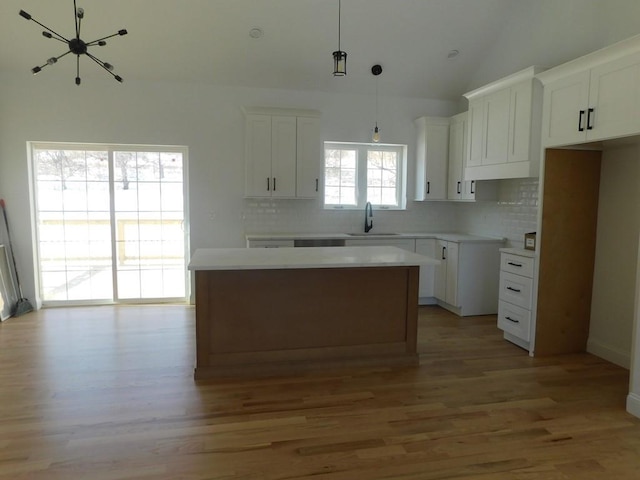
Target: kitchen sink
{"type": "Point", "coordinates": [370, 234]}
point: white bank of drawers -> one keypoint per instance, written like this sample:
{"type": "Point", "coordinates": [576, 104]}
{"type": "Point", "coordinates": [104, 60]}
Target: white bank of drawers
{"type": "Point", "coordinates": [515, 297]}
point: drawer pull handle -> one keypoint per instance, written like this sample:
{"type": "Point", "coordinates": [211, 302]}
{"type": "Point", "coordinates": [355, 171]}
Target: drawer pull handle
{"type": "Point", "coordinates": [512, 320]}
{"type": "Point", "coordinates": [514, 264]}
{"type": "Point", "coordinates": [513, 289]}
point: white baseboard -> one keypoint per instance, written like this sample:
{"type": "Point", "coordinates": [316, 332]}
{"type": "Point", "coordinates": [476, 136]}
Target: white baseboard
{"type": "Point", "coordinates": [633, 404]}
{"type": "Point", "coordinates": [609, 353]}
{"type": "Point", "coordinates": [427, 301]}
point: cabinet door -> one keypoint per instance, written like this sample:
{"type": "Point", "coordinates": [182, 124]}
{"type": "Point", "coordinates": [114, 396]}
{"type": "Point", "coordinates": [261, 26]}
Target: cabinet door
{"type": "Point", "coordinates": [258, 156]}
{"type": "Point", "coordinates": [475, 122]}
{"type": "Point", "coordinates": [283, 156]}
{"type": "Point", "coordinates": [437, 151]}
{"type": "Point", "coordinates": [456, 157]}
{"type": "Point", "coordinates": [403, 243]}
{"type": "Point", "coordinates": [427, 247]}
{"type": "Point", "coordinates": [614, 97]}
{"type": "Point", "coordinates": [452, 275]}
{"type": "Point", "coordinates": [440, 272]}
{"type": "Point", "coordinates": [496, 127]}
{"type": "Point", "coordinates": [309, 155]}
{"type": "Point", "coordinates": [432, 158]}
{"type": "Point", "coordinates": [565, 110]}
{"type": "Point", "coordinates": [520, 122]}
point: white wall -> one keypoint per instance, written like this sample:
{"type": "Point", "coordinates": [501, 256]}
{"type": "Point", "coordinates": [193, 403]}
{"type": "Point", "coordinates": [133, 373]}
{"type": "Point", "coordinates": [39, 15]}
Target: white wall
{"type": "Point", "coordinates": [543, 23]}
{"type": "Point", "coordinates": [208, 120]}
{"type": "Point", "coordinates": [612, 305]}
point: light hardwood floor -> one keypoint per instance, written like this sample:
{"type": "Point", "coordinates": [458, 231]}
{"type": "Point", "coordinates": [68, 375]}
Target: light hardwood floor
{"type": "Point", "coordinates": [107, 393]}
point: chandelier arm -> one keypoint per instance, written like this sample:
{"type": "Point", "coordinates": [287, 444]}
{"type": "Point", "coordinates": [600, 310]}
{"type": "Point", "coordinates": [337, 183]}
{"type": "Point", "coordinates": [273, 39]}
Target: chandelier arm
{"type": "Point", "coordinates": [60, 56]}
{"type": "Point", "coordinates": [52, 31]}
{"type": "Point", "coordinates": [59, 39]}
{"type": "Point", "coordinates": [75, 18]}
{"type": "Point", "coordinates": [95, 42]}
{"type": "Point", "coordinates": [101, 63]}
{"type": "Point", "coordinates": [49, 62]}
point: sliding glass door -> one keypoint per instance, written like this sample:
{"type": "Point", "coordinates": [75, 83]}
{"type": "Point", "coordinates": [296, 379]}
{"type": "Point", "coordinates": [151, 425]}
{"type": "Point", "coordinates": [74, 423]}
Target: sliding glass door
{"type": "Point", "coordinates": [110, 223]}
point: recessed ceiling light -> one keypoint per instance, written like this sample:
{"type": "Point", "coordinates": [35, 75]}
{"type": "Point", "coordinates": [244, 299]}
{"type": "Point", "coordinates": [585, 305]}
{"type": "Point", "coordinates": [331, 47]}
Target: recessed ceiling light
{"type": "Point", "coordinates": [255, 32]}
{"type": "Point", "coordinates": [453, 54]}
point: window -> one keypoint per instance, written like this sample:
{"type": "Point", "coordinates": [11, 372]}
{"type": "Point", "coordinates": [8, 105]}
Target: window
{"type": "Point", "coordinates": [357, 173]}
{"type": "Point", "coordinates": [110, 223]}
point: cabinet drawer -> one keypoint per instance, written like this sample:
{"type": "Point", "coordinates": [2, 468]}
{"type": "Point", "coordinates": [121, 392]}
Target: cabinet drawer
{"type": "Point", "coordinates": [516, 289]}
{"type": "Point", "coordinates": [517, 264]}
{"type": "Point", "coordinates": [514, 320]}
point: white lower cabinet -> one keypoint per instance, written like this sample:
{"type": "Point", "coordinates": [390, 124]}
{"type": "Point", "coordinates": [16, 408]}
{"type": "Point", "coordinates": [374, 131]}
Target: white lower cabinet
{"type": "Point", "coordinates": [516, 293]}
{"type": "Point", "coordinates": [408, 244]}
{"type": "Point", "coordinates": [466, 281]}
{"type": "Point", "coordinates": [427, 247]}
{"type": "Point", "coordinates": [446, 274]}
{"type": "Point", "coordinates": [269, 243]}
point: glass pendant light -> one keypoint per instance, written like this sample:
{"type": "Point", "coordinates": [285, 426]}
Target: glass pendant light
{"type": "Point", "coordinates": [339, 57]}
{"type": "Point", "coordinates": [376, 70]}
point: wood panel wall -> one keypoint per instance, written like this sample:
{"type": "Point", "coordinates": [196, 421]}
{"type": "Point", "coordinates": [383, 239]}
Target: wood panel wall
{"type": "Point", "coordinates": [567, 250]}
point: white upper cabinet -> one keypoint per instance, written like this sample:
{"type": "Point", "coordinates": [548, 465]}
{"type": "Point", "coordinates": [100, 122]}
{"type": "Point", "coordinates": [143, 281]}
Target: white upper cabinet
{"type": "Point", "coordinates": [504, 128]}
{"type": "Point", "coordinates": [282, 153]}
{"type": "Point", "coordinates": [283, 156]}
{"type": "Point", "coordinates": [495, 133]}
{"type": "Point", "coordinates": [432, 158]}
{"type": "Point", "coordinates": [309, 157]}
{"type": "Point", "coordinates": [592, 98]}
{"type": "Point", "coordinates": [457, 187]}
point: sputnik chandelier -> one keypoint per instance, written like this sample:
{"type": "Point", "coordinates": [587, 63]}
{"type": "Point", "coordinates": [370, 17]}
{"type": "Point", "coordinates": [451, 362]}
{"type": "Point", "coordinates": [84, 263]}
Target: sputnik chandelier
{"type": "Point", "coordinates": [76, 45]}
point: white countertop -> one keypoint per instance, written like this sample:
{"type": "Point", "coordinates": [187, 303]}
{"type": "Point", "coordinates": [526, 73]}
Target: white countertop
{"type": "Point", "coordinates": [451, 237]}
{"type": "Point", "coordinates": [310, 257]}
{"type": "Point", "coordinates": [519, 251]}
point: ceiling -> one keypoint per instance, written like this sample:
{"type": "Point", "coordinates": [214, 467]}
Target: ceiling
{"type": "Point", "coordinates": [208, 41]}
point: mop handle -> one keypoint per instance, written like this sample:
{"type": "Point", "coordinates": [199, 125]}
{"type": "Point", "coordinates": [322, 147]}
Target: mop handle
{"type": "Point", "coordinates": [6, 223]}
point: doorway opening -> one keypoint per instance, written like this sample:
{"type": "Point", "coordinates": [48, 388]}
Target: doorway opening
{"type": "Point", "coordinates": [110, 223]}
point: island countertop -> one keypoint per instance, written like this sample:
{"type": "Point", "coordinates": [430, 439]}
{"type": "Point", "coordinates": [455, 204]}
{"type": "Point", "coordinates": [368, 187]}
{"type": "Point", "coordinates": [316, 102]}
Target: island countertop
{"type": "Point", "coordinates": [311, 257]}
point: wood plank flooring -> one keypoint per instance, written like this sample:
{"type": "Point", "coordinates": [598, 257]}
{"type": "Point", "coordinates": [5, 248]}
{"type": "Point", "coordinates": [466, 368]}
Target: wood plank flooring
{"type": "Point", "coordinates": [107, 393]}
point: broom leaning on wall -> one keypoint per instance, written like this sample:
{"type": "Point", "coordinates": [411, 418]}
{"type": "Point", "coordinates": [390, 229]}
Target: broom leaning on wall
{"type": "Point", "coordinates": [23, 305]}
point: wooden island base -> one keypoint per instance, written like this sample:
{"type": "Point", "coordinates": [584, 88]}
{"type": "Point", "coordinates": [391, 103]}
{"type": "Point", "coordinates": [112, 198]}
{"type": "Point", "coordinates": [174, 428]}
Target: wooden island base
{"type": "Point", "coordinates": [281, 321]}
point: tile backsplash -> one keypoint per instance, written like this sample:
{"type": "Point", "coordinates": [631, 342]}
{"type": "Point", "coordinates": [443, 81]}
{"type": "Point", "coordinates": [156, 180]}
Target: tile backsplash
{"type": "Point", "coordinates": [513, 215]}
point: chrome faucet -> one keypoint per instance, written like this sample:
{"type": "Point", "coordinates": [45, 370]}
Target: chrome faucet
{"type": "Point", "coordinates": [368, 217]}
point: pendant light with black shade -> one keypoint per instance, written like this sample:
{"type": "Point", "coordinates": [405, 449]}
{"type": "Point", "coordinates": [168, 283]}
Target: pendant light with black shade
{"type": "Point", "coordinates": [376, 70]}
{"type": "Point", "coordinates": [339, 57]}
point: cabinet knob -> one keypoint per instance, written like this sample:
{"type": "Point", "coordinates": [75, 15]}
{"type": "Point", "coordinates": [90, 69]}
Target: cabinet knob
{"type": "Point", "coordinates": [459, 183]}
{"type": "Point", "coordinates": [513, 289]}
{"type": "Point", "coordinates": [274, 184]}
{"type": "Point", "coordinates": [512, 319]}
{"type": "Point", "coordinates": [473, 186]}
{"type": "Point", "coordinates": [580, 115]}
{"type": "Point", "coordinates": [513, 264]}
{"type": "Point", "coordinates": [316, 184]}
{"type": "Point", "coordinates": [428, 188]}
{"type": "Point", "coordinates": [268, 185]}
{"type": "Point", "coordinates": [589, 125]}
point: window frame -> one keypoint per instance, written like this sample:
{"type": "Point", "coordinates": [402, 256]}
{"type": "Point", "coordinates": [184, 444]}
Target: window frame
{"type": "Point", "coordinates": [362, 150]}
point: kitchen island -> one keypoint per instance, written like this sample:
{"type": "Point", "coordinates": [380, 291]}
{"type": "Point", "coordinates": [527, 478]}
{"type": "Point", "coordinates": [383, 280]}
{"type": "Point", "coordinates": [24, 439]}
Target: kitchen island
{"type": "Point", "coordinates": [287, 310]}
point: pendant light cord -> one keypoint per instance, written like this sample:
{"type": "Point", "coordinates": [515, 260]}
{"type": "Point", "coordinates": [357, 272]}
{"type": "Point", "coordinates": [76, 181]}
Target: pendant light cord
{"type": "Point", "coordinates": [339, 10]}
